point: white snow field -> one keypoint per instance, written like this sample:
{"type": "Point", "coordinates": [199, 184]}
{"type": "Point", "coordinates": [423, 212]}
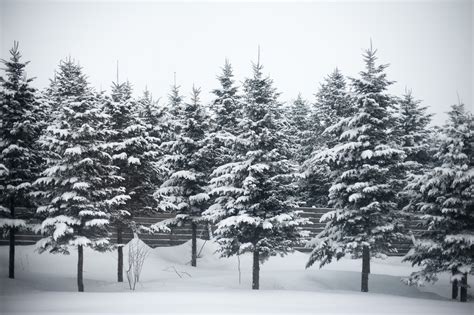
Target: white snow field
{"type": "Point", "coordinates": [46, 284]}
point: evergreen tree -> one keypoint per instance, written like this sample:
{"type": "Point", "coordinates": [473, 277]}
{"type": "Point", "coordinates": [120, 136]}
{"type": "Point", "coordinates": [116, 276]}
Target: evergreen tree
{"type": "Point", "coordinates": [415, 138]}
{"type": "Point", "coordinates": [252, 209]}
{"type": "Point", "coordinates": [364, 162]}
{"type": "Point", "coordinates": [226, 116]}
{"type": "Point", "coordinates": [333, 103]}
{"type": "Point", "coordinates": [186, 159]}
{"type": "Point", "coordinates": [20, 127]}
{"type": "Point", "coordinates": [134, 153]}
{"type": "Point", "coordinates": [121, 92]}
{"type": "Point", "coordinates": [226, 104]}
{"type": "Point", "coordinates": [442, 199]}
{"type": "Point", "coordinates": [412, 130]}
{"type": "Point", "coordinates": [78, 186]}
{"type": "Point", "coordinates": [299, 129]}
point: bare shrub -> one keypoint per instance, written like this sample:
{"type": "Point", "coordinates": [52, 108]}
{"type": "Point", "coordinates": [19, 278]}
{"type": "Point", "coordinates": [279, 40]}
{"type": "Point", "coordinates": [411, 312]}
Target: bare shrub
{"type": "Point", "coordinates": [137, 253]}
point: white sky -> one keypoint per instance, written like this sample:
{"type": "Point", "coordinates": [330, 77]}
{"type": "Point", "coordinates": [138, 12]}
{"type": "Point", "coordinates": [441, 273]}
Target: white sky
{"type": "Point", "coordinates": [429, 44]}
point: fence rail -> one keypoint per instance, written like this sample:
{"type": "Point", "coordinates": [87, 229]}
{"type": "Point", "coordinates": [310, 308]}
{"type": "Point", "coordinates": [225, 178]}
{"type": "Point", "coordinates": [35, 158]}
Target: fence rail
{"type": "Point", "coordinates": [181, 234]}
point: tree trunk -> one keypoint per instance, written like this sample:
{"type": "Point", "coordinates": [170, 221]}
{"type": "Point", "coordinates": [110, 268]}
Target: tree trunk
{"type": "Point", "coordinates": [80, 267]}
{"type": "Point", "coordinates": [11, 261]}
{"type": "Point", "coordinates": [365, 269]}
{"type": "Point", "coordinates": [193, 244]}
{"type": "Point", "coordinates": [464, 288]}
{"type": "Point", "coordinates": [455, 288]}
{"type": "Point", "coordinates": [256, 270]}
{"type": "Point", "coordinates": [120, 254]}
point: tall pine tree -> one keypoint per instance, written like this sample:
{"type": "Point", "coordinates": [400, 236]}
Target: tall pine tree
{"type": "Point", "coordinates": [442, 200]}
{"type": "Point", "coordinates": [363, 162]}
{"type": "Point", "coordinates": [78, 186]}
{"type": "Point", "coordinates": [20, 127]}
{"type": "Point", "coordinates": [252, 208]}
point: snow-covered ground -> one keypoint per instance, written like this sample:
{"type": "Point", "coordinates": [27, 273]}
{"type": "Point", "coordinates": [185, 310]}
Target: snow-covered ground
{"type": "Point", "coordinates": [46, 284]}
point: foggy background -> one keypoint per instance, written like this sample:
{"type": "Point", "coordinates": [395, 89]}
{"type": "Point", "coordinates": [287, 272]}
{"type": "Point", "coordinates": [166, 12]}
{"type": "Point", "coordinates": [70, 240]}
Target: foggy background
{"type": "Point", "coordinates": [429, 44]}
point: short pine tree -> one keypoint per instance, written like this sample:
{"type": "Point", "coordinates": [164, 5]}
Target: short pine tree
{"type": "Point", "coordinates": [363, 163]}
{"type": "Point", "coordinates": [443, 202]}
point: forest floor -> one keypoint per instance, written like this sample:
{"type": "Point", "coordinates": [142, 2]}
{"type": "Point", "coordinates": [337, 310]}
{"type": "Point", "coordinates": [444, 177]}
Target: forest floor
{"type": "Point", "coordinates": [46, 284]}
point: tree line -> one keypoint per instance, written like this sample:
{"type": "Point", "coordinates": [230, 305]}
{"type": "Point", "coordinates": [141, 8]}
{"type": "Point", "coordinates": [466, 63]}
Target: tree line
{"type": "Point", "coordinates": [90, 161]}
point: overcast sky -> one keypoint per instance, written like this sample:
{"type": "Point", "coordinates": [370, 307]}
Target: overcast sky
{"type": "Point", "coordinates": [429, 44]}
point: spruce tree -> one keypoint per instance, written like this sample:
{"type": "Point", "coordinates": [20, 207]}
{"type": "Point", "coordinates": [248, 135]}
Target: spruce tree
{"type": "Point", "coordinates": [134, 153]}
{"type": "Point", "coordinates": [442, 200]}
{"type": "Point", "coordinates": [226, 114]}
{"type": "Point", "coordinates": [299, 127]}
{"type": "Point", "coordinates": [78, 187]}
{"type": "Point", "coordinates": [416, 139]}
{"type": "Point", "coordinates": [413, 131]}
{"type": "Point", "coordinates": [20, 161]}
{"type": "Point", "coordinates": [252, 208]}
{"type": "Point", "coordinates": [187, 162]}
{"type": "Point", "coordinates": [364, 161]}
{"type": "Point", "coordinates": [333, 103]}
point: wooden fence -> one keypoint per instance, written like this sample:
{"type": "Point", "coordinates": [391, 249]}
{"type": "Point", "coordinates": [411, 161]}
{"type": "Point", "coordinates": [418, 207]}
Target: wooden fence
{"type": "Point", "coordinates": [181, 234]}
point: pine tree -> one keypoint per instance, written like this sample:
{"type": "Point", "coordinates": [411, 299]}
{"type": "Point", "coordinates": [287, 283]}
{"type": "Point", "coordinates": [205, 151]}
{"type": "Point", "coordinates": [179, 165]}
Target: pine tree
{"type": "Point", "coordinates": [184, 190]}
{"type": "Point", "coordinates": [333, 103]}
{"type": "Point", "coordinates": [364, 162]}
{"type": "Point", "coordinates": [298, 122]}
{"type": "Point", "coordinates": [121, 92]}
{"type": "Point", "coordinates": [226, 104]}
{"type": "Point", "coordinates": [252, 208]}
{"type": "Point", "coordinates": [412, 129]}
{"type": "Point", "coordinates": [226, 116]}
{"type": "Point", "coordinates": [442, 201]}
{"type": "Point", "coordinates": [20, 127]}
{"type": "Point", "coordinates": [416, 139]}
{"type": "Point", "coordinates": [300, 129]}
{"type": "Point", "coordinates": [134, 153]}
{"type": "Point", "coordinates": [78, 186]}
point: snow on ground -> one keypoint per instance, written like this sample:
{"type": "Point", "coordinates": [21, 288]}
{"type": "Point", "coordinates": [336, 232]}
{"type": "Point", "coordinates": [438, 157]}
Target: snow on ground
{"type": "Point", "coordinates": [46, 284]}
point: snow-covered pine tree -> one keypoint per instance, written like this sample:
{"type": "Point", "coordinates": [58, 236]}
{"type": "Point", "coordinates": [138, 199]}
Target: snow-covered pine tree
{"type": "Point", "coordinates": [416, 139]}
{"type": "Point", "coordinates": [121, 92]}
{"type": "Point", "coordinates": [226, 104]}
{"type": "Point", "coordinates": [20, 127]}
{"type": "Point", "coordinates": [187, 160]}
{"type": "Point", "coordinates": [333, 103]}
{"type": "Point", "coordinates": [78, 187]}
{"type": "Point", "coordinates": [363, 161]}
{"type": "Point", "coordinates": [443, 201]}
{"type": "Point", "coordinates": [300, 126]}
{"type": "Point", "coordinates": [134, 153]}
{"type": "Point", "coordinates": [413, 131]}
{"type": "Point", "coordinates": [226, 115]}
{"type": "Point", "coordinates": [252, 209]}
